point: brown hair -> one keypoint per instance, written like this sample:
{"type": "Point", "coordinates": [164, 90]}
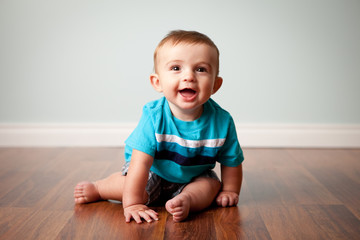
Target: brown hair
{"type": "Point", "coordinates": [189, 37]}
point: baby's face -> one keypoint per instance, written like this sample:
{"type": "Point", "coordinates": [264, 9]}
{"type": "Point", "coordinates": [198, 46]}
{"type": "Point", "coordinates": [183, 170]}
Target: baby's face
{"type": "Point", "coordinates": [186, 74]}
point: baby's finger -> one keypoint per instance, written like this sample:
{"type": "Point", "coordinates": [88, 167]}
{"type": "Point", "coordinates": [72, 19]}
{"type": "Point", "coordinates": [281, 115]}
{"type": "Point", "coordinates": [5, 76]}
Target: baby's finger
{"type": "Point", "coordinates": [236, 200]}
{"type": "Point", "coordinates": [136, 217]}
{"type": "Point", "coordinates": [152, 214]}
{"type": "Point", "coordinates": [225, 201]}
{"type": "Point", "coordinates": [219, 200]}
{"type": "Point", "coordinates": [145, 216]}
{"type": "Point", "coordinates": [231, 201]}
{"type": "Point", "coordinates": [128, 217]}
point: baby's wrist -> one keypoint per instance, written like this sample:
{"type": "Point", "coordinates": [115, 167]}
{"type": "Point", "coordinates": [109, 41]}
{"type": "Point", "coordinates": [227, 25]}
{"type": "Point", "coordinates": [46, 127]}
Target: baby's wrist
{"type": "Point", "coordinates": [131, 201]}
{"type": "Point", "coordinates": [229, 191]}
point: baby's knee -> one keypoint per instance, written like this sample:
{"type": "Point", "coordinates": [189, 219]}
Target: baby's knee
{"type": "Point", "coordinates": [213, 183]}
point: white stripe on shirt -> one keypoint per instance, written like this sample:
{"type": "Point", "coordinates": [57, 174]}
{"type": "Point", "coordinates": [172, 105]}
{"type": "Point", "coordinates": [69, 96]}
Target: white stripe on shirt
{"type": "Point", "coordinates": [190, 143]}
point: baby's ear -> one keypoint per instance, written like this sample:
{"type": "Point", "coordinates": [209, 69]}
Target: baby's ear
{"type": "Point", "coordinates": [155, 82]}
{"type": "Point", "coordinates": [217, 84]}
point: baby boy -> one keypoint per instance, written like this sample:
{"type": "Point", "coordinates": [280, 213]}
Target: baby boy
{"type": "Point", "coordinates": [178, 140]}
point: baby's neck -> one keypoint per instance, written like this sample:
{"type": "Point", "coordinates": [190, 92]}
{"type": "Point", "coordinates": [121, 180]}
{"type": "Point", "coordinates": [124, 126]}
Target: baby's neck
{"type": "Point", "coordinates": [187, 115]}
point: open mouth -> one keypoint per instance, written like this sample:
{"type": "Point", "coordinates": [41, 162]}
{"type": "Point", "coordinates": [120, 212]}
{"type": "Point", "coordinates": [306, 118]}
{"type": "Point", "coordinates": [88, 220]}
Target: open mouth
{"type": "Point", "coordinates": [187, 92]}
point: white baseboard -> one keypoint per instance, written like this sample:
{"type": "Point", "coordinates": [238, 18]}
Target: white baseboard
{"type": "Point", "coordinates": [299, 136]}
{"type": "Point", "coordinates": [64, 135]}
{"type": "Point", "coordinates": [114, 135]}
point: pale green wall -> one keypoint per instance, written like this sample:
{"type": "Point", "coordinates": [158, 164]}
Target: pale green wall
{"type": "Point", "coordinates": [82, 61]}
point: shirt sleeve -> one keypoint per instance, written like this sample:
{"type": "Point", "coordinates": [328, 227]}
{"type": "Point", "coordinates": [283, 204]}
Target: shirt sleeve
{"type": "Point", "coordinates": [143, 137]}
{"type": "Point", "coordinates": [231, 154]}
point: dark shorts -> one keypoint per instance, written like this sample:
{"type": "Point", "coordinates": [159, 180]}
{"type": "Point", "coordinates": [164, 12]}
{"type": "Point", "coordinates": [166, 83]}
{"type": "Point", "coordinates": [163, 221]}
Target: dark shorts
{"type": "Point", "coordinates": [161, 190]}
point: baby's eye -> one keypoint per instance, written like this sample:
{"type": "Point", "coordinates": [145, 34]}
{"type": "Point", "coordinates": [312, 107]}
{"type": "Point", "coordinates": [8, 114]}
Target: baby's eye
{"type": "Point", "coordinates": [201, 69]}
{"type": "Point", "coordinates": [175, 68]}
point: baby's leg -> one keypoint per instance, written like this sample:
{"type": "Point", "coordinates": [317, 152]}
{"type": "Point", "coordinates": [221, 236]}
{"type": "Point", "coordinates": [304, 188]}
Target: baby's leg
{"type": "Point", "coordinates": [196, 196]}
{"type": "Point", "coordinates": [104, 189]}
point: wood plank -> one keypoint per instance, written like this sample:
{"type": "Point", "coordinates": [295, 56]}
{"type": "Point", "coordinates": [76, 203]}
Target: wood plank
{"type": "Point", "coordinates": [239, 223]}
{"type": "Point", "coordinates": [243, 222]}
{"type": "Point", "coordinates": [32, 224]}
{"type": "Point", "coordinates": [261, 172]}
{"type": "Point", "coordinates": [342, 160]}
{"type": "Point", "coordinates": [86, 164]}
{"type": "Point", "coordinates": [286, 194]}
{"type": "Point", "coordinates": [338, 171]}
{"type": "Point", "coordinates": [290, 222]}
{"type": "Point", "coordinates": [105, 220]}
{"type": "Point", "coordinates": [343, 224]}
{"type": "Point", "coordinates": [193, 228]}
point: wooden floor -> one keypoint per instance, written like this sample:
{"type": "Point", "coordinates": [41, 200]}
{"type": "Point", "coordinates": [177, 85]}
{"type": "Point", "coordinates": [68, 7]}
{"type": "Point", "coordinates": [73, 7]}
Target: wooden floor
{"type": "Point", "coordinates": [287, 194]}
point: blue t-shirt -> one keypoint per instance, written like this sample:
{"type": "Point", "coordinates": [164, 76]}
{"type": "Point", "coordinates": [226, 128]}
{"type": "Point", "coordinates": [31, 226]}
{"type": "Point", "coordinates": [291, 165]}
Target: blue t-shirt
{"type": "Point", "coordinates": [183, 150]}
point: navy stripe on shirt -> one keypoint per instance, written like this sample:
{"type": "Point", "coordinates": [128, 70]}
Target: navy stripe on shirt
{"type": "Point", "coordinates": [184, 161]}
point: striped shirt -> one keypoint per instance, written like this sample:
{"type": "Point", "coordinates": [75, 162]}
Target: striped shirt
{"type": "Point", "coordinates": [183, 150]}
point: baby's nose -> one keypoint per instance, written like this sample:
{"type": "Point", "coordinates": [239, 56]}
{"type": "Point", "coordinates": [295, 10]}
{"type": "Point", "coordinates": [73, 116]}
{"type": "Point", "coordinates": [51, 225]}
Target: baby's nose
{"type": "Point", "coordinates": [189, 76]}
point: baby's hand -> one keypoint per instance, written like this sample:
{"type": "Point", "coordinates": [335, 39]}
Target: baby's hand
{"type": "Point", "coordinates": [227, 199]}
{"type": "Point", "coordinates": [138, 212]}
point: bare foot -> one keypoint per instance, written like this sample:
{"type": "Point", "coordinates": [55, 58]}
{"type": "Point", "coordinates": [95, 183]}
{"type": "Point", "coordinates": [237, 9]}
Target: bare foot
{"type": "Point", "coordinates": [86, 192]}
{"type": "Point", "coordinates": [179, 207]}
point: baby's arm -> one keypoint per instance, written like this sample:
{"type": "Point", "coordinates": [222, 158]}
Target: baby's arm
{"type": "Point", "coordinates": [134, 195]}
{"type": "Point", "coordinates": [231, 178]}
